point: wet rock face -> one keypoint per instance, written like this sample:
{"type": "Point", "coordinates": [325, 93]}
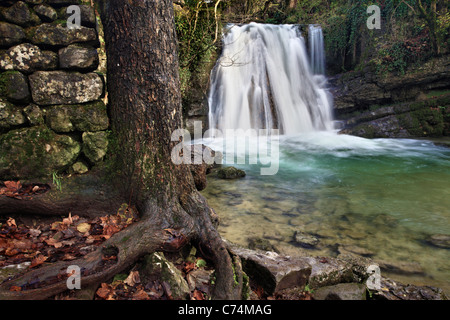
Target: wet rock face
{"type": "Point", "coordinates": [52, 116]}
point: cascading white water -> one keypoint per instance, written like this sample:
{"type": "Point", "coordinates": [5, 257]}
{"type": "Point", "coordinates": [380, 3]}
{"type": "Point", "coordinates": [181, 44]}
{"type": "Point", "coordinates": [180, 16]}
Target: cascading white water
{"type": "Point", "coordinates": [316, 49]}
{"type": "Point", "coordinates": [263, 80]}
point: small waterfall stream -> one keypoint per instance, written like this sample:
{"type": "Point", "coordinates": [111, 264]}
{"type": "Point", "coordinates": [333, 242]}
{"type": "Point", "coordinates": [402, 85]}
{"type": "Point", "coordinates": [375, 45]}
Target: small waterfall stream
{"type": "Point", "coordinates": [264, 80]}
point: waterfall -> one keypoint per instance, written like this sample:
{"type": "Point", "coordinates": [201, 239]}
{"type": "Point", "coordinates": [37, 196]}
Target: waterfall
{"type": "Point", "coordinates": [263, 80]}
{"type": "Point", "coordinates": [316, 49]}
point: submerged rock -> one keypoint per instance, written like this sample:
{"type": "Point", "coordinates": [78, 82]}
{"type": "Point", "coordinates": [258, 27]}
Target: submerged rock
{"type": "Point", "coordinates": [230, 173]}
{"type": "Point", "coordinates": [305, 240]}
{"type": "Point", "coordinates": [440, 240]}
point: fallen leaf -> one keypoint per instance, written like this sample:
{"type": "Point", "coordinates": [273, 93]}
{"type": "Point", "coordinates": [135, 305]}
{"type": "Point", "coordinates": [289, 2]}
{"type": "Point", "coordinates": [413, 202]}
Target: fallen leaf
{"type": "Point", "coordinates": [83, 227]}
{"type": "Point", "coordinates": [132, 278]}
{"type": "Point", "coordinates": [40, 259]}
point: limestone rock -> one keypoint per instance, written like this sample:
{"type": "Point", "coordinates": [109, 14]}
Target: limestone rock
{"type": "Point", "coordinates": [14, 86]}
{"type": "Point", "coordinates": [230, 173]}
{"type": "Point", "coordinates": [156, 266]}
{"type": "Point", "coordinates": [95, 145]}
{"type": "Point", "coordinates": [78, 57]}
{"type": "Point", "coordinates": [86, 117]}
{"type": "Point", "coordinates": [28, 58]}
{"type": "Point", "coordinates": [20, 14]}
{"type": "Point", "coordinates": [10, 34]}
{"type": "Point", "coordinates": [59, 87]}
{"type": "Point", "coordinates": [49, 153]}
{"type": "Point", "coordinates": [341, 291]}
{"type": "Point", "coordinates": [305, 240]}
{"type": "Point", "coordinates": [58, 35]}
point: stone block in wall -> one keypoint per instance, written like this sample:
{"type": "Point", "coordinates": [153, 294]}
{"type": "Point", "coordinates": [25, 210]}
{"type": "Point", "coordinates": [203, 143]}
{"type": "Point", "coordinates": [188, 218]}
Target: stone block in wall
{"type": "Point", "coordinates": [60, 87]}
{"type": "Point", "coordinates": [20, 14]}
{"type": "Point", "coordinates": [34, 114]}
{"type": "Point", "coordinates": [86, 117]}
{"type": "Point", "coordinates": [95, 145]}
{"type": "Point", "coordinates": [78, 57]}
{"type": "Point", "coordinates": [46, 12]}
{"type": "Point", "coordinates": [10, 116]}
{"type": "Point", "coordinates": [87, 15]}
{"type": "Point", "coordinates": [27, 58]}
{"type": "Point", "coordinates": [10, 34]}
{"type": "Point", "coordinates": [14, 86]}
{"type": "Point", "coordinates": [35, 152]}
{"type": "Point", "coordinates": [58, 35]}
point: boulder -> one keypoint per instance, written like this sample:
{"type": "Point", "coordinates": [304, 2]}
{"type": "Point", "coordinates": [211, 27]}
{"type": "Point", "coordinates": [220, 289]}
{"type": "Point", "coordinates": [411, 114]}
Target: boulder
{"type": "Point", "coordinates": [28, 58]}
{"type": "Point", "coordinates": [59, 35]}
{"type": "Point", "coordinates": [95, 145]}
{"type": "Point", "coordinates": [85, 117]}
{"type": "Point", "coordinates": [20, 14]}
{"type": "Point", "coordinates": [78, 57]}
{"type": "Point", "coordinates": [341, 291]}
{"type": "Point", "coordinates": [59, 87]}
{"type": "Point", "coordinates": [156, 267]}
{"type": "Point", "coordinates": [35, 152]}
{"type": "Point", "coordinates": [10, 34]}
{"type": "Point", "coordinates": [273, 272]}
{"type": "Point", "coordinates": [14, 86]}
{"type": "Point", "coordinates": [230, 173]}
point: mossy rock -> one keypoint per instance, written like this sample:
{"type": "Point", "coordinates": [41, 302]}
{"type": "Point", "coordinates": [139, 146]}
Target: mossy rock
{"type": "Point", "coordinates": [35, 152]}
{"type": "Point", "coordinates": [230, 173]}
{"type": "Point", "coordinates": [90, 117]}
{"type": "Point", "coordinates": [156, 267]}
{"type": "Point", "coordinates": [95, 145]}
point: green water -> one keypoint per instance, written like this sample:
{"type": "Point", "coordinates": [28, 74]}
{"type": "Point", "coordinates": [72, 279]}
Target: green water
{"type": "Point", "coordinates": [378, 198]}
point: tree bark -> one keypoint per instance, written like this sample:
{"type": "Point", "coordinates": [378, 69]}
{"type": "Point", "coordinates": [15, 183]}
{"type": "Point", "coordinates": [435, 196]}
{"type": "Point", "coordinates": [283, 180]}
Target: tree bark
{"type": "Point", "coordinates": [145, 108]}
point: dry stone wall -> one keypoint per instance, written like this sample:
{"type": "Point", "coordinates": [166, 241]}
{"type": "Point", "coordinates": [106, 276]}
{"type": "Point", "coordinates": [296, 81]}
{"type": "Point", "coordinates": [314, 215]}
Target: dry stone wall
{"type": "Point", "coordinates": [52, 115]}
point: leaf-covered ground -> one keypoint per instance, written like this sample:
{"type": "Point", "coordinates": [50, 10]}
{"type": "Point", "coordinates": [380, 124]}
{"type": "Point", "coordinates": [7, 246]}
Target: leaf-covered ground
{"type": "Point", "coordinates": [33, 242]}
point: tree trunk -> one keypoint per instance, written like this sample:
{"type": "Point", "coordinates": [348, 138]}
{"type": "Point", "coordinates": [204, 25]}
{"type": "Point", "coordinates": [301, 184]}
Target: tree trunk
{"type": "Point", "coordinates": [145, 108]}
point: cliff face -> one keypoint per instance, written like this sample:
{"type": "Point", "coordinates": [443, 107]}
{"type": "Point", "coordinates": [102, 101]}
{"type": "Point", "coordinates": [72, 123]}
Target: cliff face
{"type": "Point", "coordinates": [416, 104]}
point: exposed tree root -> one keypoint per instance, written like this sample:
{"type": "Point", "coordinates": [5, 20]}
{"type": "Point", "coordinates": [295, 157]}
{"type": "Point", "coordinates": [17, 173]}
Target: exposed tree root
{"type": "Point", "coordinates": [163, 227]}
